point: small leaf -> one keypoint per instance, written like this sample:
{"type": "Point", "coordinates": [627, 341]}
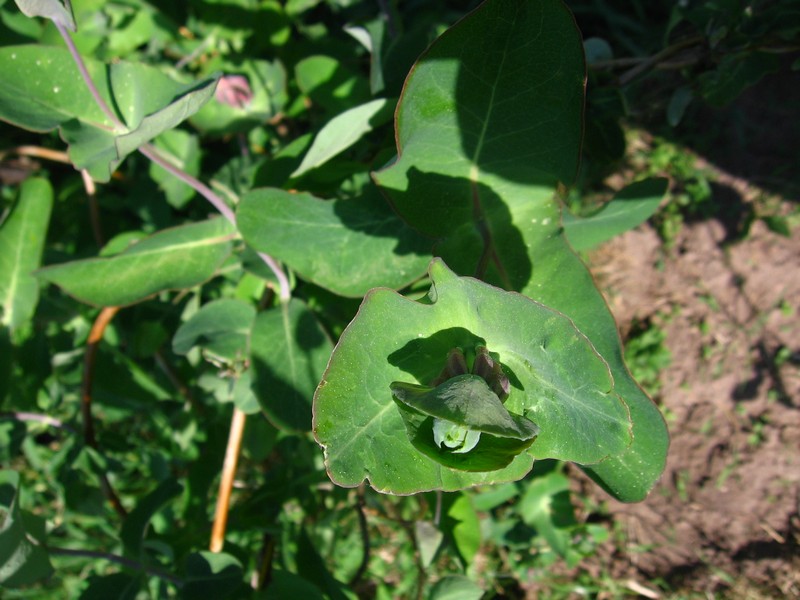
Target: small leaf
{"type": "Point", "coordinates": [22, 237]}
{"type": "Point", "coordinates": [678, 102]}
{"type": "Point", "coordinates": [49, 9]}
{"type": "Point", "coordinates": [630, 208]}
{"type": "Point", "coordinates": [466, 400]}
{"type": "Point", "coordinates": [289, 351]}
{"type": "Point", "coordinates": [464, 526]}
{"type": "Point", "coordinates": [456, 587]}
{"type": "Point", "coordinates": [134, 529]}
{"type": "Point", "coordinates": [429, 539]}
{"type": "Point", "coordinates": [172, 259]}
{"type": "Point", "coordinates": [546, 506]}
{"type": "Point", "coordinates": [221, 328]}
{"type": "Point", "coordinates": [211, 575]}
{"type": "Point", "coordinates": [344, 130]}
{"type": "Point", "coordinates": [120, 586]}
{"type": "Point", "coordinates": [23, 559]}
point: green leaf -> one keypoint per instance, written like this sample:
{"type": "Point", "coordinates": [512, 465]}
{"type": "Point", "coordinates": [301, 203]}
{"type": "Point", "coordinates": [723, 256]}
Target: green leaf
{"type": "Point", "coordinates": [344, 130]}
{"type": "Point", "coordinates": [288, 585]}
{"type": "Point", "coordinates": [630, 208]}
{"type": "Point", "coordinates": [289, 351]}
{"type": "Point", "coordinates": [557, 381]}
{"type": "Point", "coordinates": [735, 73]}
{"type": "Point", "coordinates": [488, 126]}
{"type": "Point", "coordinates": [22, 237]}
{"type": "Point", "coordinates": [467, 402]}
{"type": "Point", "coordinates": [330, 84]}
{"type": "Point", "coordinates": [23, 559]}
{"type": "Point", "coordinates": [148, 102]}
{"type": "Point", "coordinates": [429, 539]}
{"type": "Point", "coordinates": [134, 529]}
{"type": "Point", "coordinates": [211, 575]}
{"type": "Point", "coordinates": [221, 328]}
{"type": "Point", "coordinates": [464, 526]}
{"type": "Point", "coordinates": [455, 587]}
{"type": "Point", "coordinates": [172, 259]}
{"type": "Point", "coordinates": [119, 586]}
{"type": "Point", "coordinates": [547, 507]}
{"type": "Point", "coordinates": [494, 105]}
{"type": "Point", "coordinates": [49, 9]}
{"type": "Point", "coordinates": [347, 246]}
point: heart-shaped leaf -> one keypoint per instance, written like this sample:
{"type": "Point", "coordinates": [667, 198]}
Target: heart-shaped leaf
{"type": "Point", "coordinates": [557, 380]}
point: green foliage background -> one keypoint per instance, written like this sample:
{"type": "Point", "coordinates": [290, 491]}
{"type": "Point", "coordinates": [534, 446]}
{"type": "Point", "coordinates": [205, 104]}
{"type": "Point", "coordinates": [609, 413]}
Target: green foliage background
{"type": "Point", "coordinates": [285, 111]}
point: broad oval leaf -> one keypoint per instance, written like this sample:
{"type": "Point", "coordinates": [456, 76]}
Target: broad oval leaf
{"type": "Point", "coordinates": [557, 380]}
{"type": "Point", "coordinates": [172, 259]}
{"type": "Point", "coordinates": [346, 246]}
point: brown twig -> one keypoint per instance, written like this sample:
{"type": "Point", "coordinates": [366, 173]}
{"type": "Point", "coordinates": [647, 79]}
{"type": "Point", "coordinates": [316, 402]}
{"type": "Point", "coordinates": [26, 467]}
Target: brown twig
{"type": "Point", "coordinates": [263, 575]}
{"type": "Point", "coordinates": [95, 336]}
{"type": "Point", "coordinates": [226, 482]}
{"type": "Point", "coordinates": [176, 381]}
{"type": "Point", "coordinates": [38, 152]}
{"type": "Point", "coordinates": [94, 211]}
{"type": "Point", "coordinates": [648, 62]}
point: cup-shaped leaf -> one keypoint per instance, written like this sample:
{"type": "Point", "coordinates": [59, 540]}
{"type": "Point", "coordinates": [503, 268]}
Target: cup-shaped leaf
{"type": "Point", "coordinates": [468, 420]}
{"type": "Point", "coordinates": [555, 378]}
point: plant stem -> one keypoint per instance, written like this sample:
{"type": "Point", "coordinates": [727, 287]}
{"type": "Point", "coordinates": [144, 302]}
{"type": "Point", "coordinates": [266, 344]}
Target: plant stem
{"type": "Point", "coordinates": [365, 542]}
{"type": "Point", "coordinates": [37, 152]}
{"type": "Point", "coordinates": [94, 211]}
{"type": "Point", "coordinates": [150, 152]}
{"type": "Point", "coordinates": [95, 336]}
{"type": "Point", "coordinates": [120, 560]}
{"type": "Point", "coordinates": [640, 68]}
{"type": "Point", "coordinates": [36, 417]}
{"type": "Point", "coordinates": [226, 482]}
{"type": "Point", "coordinates": [87, 78]}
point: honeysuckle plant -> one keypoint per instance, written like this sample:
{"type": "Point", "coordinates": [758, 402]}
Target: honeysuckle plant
{"type": "Point", "coordinates": [481, 343]}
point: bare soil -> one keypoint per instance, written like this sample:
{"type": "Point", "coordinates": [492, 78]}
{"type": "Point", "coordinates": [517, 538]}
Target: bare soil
{"type": "Point", "coordinates": [724, 521]}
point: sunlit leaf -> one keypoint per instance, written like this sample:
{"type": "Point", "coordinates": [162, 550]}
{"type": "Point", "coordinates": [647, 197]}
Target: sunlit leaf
{"type": "Point", "coordinates": [172, 259]}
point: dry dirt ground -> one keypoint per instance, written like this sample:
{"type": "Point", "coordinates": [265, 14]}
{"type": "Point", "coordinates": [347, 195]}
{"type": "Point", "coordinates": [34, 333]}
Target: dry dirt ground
{"type": "Point", "coordinates": [724, 520]}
